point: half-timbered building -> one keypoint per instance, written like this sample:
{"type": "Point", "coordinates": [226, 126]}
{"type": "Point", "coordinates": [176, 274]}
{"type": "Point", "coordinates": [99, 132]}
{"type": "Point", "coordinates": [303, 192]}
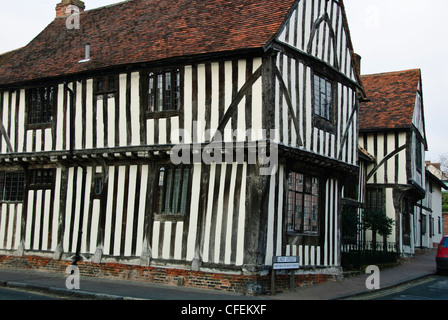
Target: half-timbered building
{"type": "Point", "coordinates": [430, 208]}
{"type": "Point", "coordinates": [201, 137]}
{"type": "Point", "coordinates": [392, 129]}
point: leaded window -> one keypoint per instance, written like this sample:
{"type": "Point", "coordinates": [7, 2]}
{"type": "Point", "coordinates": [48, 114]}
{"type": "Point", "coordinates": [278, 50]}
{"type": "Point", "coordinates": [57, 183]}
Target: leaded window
{"type": "Point", "coordinates": [172, 190]}
{"type": "Point", "coordinates": [323, 97]}
{"type": "Point", "coordinates": [375, 200]}
{"type": "Point", "coordinates": [41, 102]}
{"type": "Point", "coordinates": [12, 186]}
{"type": "Point", "coordinates": [42, 179]}
{"type": "Point", "coordinates": [164, 90]}
{"type": "Point", "coordinates": [303, 203]}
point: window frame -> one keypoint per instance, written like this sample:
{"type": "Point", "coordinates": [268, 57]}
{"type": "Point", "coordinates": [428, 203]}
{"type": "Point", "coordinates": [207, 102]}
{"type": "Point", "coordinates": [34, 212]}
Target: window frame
{"type": "Point", "coordinates": [97, 186]}
{"type": "Point", "coordinates": [102, 85]}
{"type": "Point", "coordinates": [418, 155]}
{"type": "Point", "coordinates": [293, 215]}
{"type": "Point", "coordinates": [46, 179]}
{"type": "Point", "coordinates": [326, 123]}
{"type": "Point", "coordinates": [47, 106]}
{"type": "Point", "coordinates": [19, 188]}
{"type": "Point", "coordinates": [175, 97]}
{"type": "Point", "coordinates": [183, 193]}
{"type": "Point", "coordinates": [380, 199]}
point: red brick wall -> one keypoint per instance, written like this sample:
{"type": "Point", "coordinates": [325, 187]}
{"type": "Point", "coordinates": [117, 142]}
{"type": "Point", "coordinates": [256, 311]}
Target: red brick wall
{"type": "Point", "coordinates": [246, 284]}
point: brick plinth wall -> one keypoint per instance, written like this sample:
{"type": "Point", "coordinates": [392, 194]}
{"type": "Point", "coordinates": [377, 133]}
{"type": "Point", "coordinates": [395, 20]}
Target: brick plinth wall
{"type": "Point", "coordinates": [245, 284]}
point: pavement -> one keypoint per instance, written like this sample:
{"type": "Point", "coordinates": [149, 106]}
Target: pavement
{"type": "Point", "coordinates": [407, 271]}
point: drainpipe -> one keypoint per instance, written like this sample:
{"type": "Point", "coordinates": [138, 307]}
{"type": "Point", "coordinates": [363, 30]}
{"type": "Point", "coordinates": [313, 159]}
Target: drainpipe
{"type": "Point", "coordinates": [77, 257]}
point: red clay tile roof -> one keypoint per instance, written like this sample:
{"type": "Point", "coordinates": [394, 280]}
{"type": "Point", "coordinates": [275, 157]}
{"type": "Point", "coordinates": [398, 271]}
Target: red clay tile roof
{"type": "Point", "coordinates": [392, 100]}
{"type": "Point", "coordinates": [138, 31]}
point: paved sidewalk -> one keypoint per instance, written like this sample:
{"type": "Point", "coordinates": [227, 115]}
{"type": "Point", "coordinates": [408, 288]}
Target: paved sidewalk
{"type": "Point", "coordinates": [96, 288]}
{"type": "Point", "coordinates": [409, 270]}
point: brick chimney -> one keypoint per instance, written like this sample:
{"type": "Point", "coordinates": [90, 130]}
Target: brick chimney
{"type": "Point", "coordinates": [61, 8]}
{"type": "Point", "coordinates": [357, 63]}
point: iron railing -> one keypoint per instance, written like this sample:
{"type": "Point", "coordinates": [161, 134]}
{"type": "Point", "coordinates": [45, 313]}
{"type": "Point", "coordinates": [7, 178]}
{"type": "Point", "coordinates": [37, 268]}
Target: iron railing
{"type": "Point", "coordinates": [354, 255]}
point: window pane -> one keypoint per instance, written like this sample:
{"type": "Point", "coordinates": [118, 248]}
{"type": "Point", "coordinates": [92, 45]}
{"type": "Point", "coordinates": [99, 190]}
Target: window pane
{"type": "Point", "coordinates": [185, 183]}
{"type": "Point", "coordinates": [298, 212]}
{"type": "Point", "coordinates": [21, 186]}
{"type": "Point", "coordinates": [329, 100]}
{"type": "Point", "coordinates": [168, 192]}
{"type": "Point", "coordinates": [160, 193]}
{"type": "Point", "coordinates": [168, 90]}
{"type": "Point", "coordinates": [307, 213]}
{"type": "Point", "coordinates": [159, 93]}
{"type": "Point", "coordinates": [37, 107]}
{"type": "Point", "coordinates": [100, 85]}
{"type": "Point", "coordinates": [291, 205]}
{"type": "Point", "coordinates": [45, 98]}
{"type": "Point", "coordinates": [315, 187]}
{"type": "Point", "coordinates": [176, 187]}
{"type": "Point", "coordinates": [177, 90]}
{"type": "Point", "coordinates": [98, 186]}
{"type": "Point", "coordinates": [323, 97]}
{"type": "Point", "coordinates": [151, 93]}
{"type": "Point", "coordinates": [2, 185]}
{"type": "Point", "coordinates": [314, 213]}
{"type": "Point", "coordinates": [8, 183]}
{"type": "Point", "coordinates": [111, 83]}
{"type": "Point", "coordinates": [317, 96]}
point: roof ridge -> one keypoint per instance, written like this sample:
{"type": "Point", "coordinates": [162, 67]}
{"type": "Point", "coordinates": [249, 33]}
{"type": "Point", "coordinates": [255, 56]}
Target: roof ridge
{"type": "Point", "coordinates": [108, 5]}
{"type": "Point", "coordinates": [392, 72]}
{"type": "Point", "coordinates": [103, 7]}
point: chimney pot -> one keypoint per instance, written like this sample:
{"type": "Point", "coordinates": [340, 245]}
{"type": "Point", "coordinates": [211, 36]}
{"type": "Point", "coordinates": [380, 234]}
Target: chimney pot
{"type": "Point", "coordinates": [61, 8]}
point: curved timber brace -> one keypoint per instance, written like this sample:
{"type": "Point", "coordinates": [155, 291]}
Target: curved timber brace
{"type": "Point", "coordinates": [236, 101]}
{"type": "Point", "coordinates": [386, 158]}
{"type": "Point", "coordinates": [349, 124]}
{"type": "Point", "coordinates": [6, 137]}
{"type": "Point", "coordinates": [316, 26]}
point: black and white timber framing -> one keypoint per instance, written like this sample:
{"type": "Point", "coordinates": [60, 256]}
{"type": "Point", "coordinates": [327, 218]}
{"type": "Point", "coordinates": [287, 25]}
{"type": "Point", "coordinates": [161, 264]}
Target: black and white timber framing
{"type": "Point", "coordinates": [236, 219]}
{"type": "Point", "coordinates": [399, 173]}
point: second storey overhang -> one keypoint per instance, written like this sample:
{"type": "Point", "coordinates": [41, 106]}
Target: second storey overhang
{"type": "Point", "coordinates": [263, 153]}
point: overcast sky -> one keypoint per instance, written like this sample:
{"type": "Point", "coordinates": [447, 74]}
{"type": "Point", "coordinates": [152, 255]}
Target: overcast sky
{"type": "Point", "coordinates": [390, 35]}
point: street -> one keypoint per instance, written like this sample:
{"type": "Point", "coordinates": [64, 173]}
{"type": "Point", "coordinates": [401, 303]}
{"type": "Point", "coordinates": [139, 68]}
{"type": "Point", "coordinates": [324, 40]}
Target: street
{"type": "Point", "coordinates": [428, 288]}
{"type": "Point", "coordinates": [15, 294]}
